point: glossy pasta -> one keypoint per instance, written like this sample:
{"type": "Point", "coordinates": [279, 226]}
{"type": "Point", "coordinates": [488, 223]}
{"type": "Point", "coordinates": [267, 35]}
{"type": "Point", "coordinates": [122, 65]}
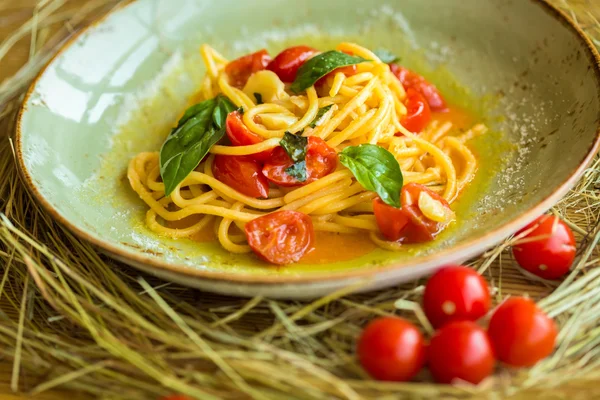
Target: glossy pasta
{"type": "Point", "coordinates": [366, 107]}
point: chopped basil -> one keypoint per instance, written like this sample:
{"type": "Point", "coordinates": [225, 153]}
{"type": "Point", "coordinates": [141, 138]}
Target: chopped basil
{"type": "Point", "coordinates": [319, 117]}
{"type": "Point", "coordinates": [258, 98]}
{"type": "Point", "coordinates": [201, 126]}
{"type": "Point", "coordinates": [319, 66]}
{"type": "Point", "coordinates": [296, 146]}
{"type": "Point", "coordinates": [376, 169]}
{"type": "Point", "coordinates": [298, 171]}
{"type": "Point", "coordinates": [386, 56]}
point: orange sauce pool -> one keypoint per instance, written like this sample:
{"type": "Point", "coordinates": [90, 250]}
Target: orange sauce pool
{"type": "Point", "coordinates": [335, 247]}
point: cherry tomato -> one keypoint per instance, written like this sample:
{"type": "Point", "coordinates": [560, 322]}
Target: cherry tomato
{"type": "Point", "coordinates": [408, 224]}
{"type": "Point", "coordinates": [240, 135]}
{"type": "Point", "coordinates": [391, 349]}
{"type": "Point", "coordinates": [455, 293]}
{"type": "Point", "coordinates": [550, 256]}
{"type": "Point", "coordinates": [521, 333]}
{"type": "Point", "coordinates": [287, 63]}
{"type": "Point", "coordinates": [282, 237]}
{"type": "Point", "coordinates": [239, 70]}
{"type": "Point", "coordinates": [241, 173]}
{"type": "Point", "coordinates": [460, 350]}
{"type": "Point", "coordinates": [321, 160]}
{"type": "Point", "coordinates": [418, 112]}
{"type": "Point", "coordinates": [409, 79]}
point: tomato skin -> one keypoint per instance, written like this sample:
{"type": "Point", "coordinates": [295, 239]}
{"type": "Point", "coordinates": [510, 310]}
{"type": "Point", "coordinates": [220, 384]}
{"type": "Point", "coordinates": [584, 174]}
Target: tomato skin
{"type": "Point", "coordinates": [240, 135]}
{"type": "Point", "coordinates": [391, 349]}
{"type": "Point", "coordinates": [521, 333]}
{"type": "Point", "coordinates": [460, 350]}
{"type": "Point", "coordinates": [239, 70]}
{"type": "Point", "coordinates": [241, 173]}
{"type": "Point", "coordinates": [418, 112]}
{"type": "Point", "coordinates": [390, 220]}
{"type": "Point", "coordinates": [282, 237]}
{"type": "Point", "coordinates": [410, 79]}
{"type": "Point", "coordinates": [455, 293]}
{"type": "Point", "coordinates": [321, 160]}
{"type": "Point", "coordinates": [408, 224]}
{"type": "Point", "coordinates": [552, 255]}
{"type": "Point", "coordinates": [287, 63]}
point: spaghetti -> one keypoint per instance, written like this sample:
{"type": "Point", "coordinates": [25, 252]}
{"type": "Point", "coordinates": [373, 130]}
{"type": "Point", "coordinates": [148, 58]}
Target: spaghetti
{"type": "Point", "coordinates": [366, 102]}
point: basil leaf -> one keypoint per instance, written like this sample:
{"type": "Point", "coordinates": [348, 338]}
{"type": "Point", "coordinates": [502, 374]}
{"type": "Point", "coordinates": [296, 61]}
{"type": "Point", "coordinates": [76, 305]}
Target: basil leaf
{"type": "Point", "coordinates": [258, 98]}
{"type": "Point", "coordinates": [386, 56]}
{"type": "Point", "coordinates": [298, 171]}
{"type": "Point", "coordinates": [201, 127]}
{"type": "Point", "coordinates": [317, 120]}
{"type": "Point", "coordinates": [223, 107]}
{"type": "Point", "coordinates": [319, 66]}
{"type": "Point", "coordinates": [376, 169]}
{"type": "Point", "coordinates": [295, 146]}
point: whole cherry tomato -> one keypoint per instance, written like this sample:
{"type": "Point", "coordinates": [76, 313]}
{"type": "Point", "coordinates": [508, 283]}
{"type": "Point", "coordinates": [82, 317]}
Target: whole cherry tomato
{"type": "Point", "coordinates": [410, 79]}
{"type": "Point", "coordinates": [391, 349]}
{"type": "Point", "coordinates": [460, 350]}
{"type": "Point", "coordinates": [241, 173]}
{"type": "Point", "coordinates": [239, 70]}
{"type": "Point", "coordinates": [321, 160]}
{"type": "Point", "coordinates": [455, 293]}
{"type": "Point", "coordinates": [240, 135]}
{"type": "Point", "coordinates": [521, 333]}
{"type": "Point", "coordinates": [418, 112]}
{"type": "Point", "coordinates": [551, 255]}
{"type": "Point", "coordinates": [282, 237]}
{"type": "Point", "coordinates": [287, 63]}
{"type": "Point", "coordinates": [409, 224]}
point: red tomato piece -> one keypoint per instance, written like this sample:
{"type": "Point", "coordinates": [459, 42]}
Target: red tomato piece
{"type": "Point", "coordinates": [460, 350]}
{"type": "Point", "coordinates": [521, 333]}
{"type": "Point", "coordinates": [408, 224]}
{"type": "Point", "coordinates": [239, 70]}
{"type": "Point", "coordinates": [287, 63]}
{"type": "Point", "coordinates": [409, 79]}
{"type": "Point", "coordinates": [455, 293]}
{"type": "Point", "coordinates": [418, 113]}
{"type": "Point", "coordinates": [240, 135]}
{"type": "Point", "coordinates": [391, 349]}
{"type": "Point", "coordinates": [241, 173]}
{"type": "Point", "coordinates": [390, 220]}
{"type": "Point", "coordinates": [550, 256]}
{"type": "Point", "coordinates": [282, 237]}
{"type": "Point", "coordinates": [321, 160]}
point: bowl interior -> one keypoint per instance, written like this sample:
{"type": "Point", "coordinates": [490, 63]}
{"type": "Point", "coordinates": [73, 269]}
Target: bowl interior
{"type": "Point", "coordinates": [116, 90]}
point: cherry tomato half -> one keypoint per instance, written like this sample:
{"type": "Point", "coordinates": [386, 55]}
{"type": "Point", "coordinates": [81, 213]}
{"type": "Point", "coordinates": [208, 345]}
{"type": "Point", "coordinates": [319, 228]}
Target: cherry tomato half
{"type": "Point", "coordinates": [418, 112]}
{"type": "Point", "coordinates": [551, 256]}
{"type": "Point", "coordinates": [241, 173]}
{"type": "Point", "coordinates": [240, 135]}
{"type": "Point", "coordinates": [455, 293]}
{"type": "Point", "coordinates": [282, 237]}
{"type": "Point", "coordinates": [239, 70]}
{"type": "Point", "coordinates": [287, 63]}
{"type": "Point", "coordinates": [521, 333]}
{"type": "Point", "coordinates": [408, 224]}
{"type": "Point", "coordinates": [321, 160]}
{"type": "Point", "coordinates": [391, 349]}
{"type": "Point", "coordinates": [460, 350]}
{"type": "Point", "coordinates": [410, 79]}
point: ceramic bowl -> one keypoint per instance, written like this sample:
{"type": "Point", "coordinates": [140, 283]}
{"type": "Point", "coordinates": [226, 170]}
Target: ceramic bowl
{"type": "Point", "coordinates": [116, 88]}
